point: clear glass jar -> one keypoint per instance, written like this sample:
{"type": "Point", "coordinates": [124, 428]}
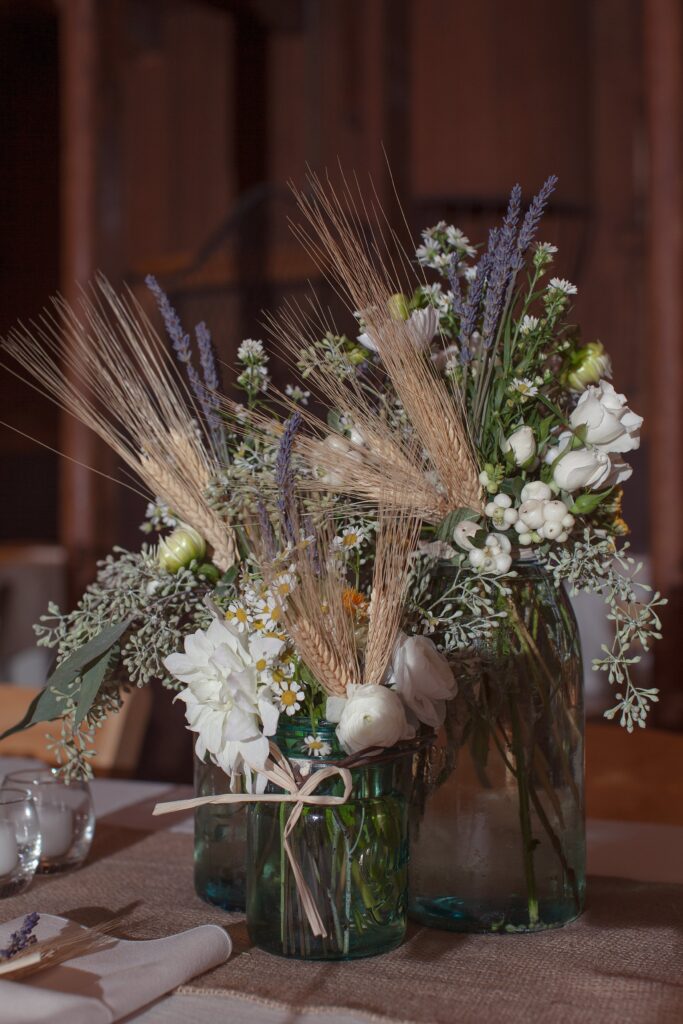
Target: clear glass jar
{"type": "Point", "coordinates": [498, 830]}
{"type": "Point", "coordinates": [220, 842]}
{"type": "Point", "coordinates": [66, 817]}
{"type": "Point", "coordinates": [19, 840]}
{"type": "Point", "coordinates": [354, 858]}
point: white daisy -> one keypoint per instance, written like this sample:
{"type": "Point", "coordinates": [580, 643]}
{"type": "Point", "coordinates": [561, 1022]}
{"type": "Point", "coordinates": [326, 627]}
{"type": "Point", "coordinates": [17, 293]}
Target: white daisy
{"type": "Point", "coordinates": [524, 387]}
{"type": "Point", "coordinates": [352, 538]}
{"type": "Point", "coordinates": [459, 240]}
{"type": "Point", "coordinates": [317, 747]}
{"type": "Point", "coordinates": [238, 616]}
{"type": "Point", "coordinates": [290, 695]}
{"type": "Point", "coordinates": [547, 248]}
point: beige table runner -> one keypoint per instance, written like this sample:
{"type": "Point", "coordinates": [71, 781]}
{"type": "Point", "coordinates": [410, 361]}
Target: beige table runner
{"type": "Point", "coordinates": [621, 963]}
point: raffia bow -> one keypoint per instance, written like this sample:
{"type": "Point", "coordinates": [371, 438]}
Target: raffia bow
{"type": "Point", "coordinates": [279, 771]}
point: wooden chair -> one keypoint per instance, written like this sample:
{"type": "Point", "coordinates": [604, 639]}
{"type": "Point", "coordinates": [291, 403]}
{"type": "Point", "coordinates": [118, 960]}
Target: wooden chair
{"type": "Point", "coordinates": [118, 743]}
{"type": "Point", "coordinates": [636, 776]}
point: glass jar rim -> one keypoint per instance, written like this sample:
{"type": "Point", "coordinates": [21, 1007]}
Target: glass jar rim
{"type": "Point", "coordinates": [40, 777]}
{"type": "Point", "coordinates": [14, 795]}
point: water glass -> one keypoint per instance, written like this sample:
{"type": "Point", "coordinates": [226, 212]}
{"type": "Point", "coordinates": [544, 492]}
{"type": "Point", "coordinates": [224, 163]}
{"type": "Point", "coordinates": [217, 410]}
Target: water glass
{"type": "Point", "coordinates": [19, 841]}
{"type": "Point", "coordinates": [66, 819]}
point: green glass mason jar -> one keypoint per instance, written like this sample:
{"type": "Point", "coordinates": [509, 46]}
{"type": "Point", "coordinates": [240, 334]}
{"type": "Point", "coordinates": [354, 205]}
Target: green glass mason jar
{"type": "Point", "coordinates": [220, 842]}
{"type": "Point", "coordinates": [354, 857]}
{"type": "Point", "coordinates": [497, 829]}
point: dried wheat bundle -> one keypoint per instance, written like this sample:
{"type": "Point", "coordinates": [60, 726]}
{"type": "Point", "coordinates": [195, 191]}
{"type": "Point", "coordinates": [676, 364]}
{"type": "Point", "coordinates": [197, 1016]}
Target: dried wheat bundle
{"type": "Point", "coordinates": [104, 364]}
{"type": "Point", "coordinates": [360, 257]}
{"type": "Point", "coordinates": [318, 615]}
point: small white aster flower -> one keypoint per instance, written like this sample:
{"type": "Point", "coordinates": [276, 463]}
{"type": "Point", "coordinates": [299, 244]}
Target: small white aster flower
{"type": "Point", "coordinates": [528, 324]}
{"type": "Point", "coordinates": [524, 387]}
{"type": "Point", "coordinates": [290, 695]}
{"type": "Point", "coordinates": [317, 747]}
{"type": "Point", "coordinates": [560, 284]}
{"type": "Point", "coordinates": [459, 240]}
{"type": "Point", "coordinates": [547, 248]}
{"type": "Point", "coordinates": [428, 252]}
{"type": "Point", "coordinates": [470, 274]}
{"type": "Point", "coordinates": [251, 350]}
{"type": "Point", "coordinates": [297, 394]}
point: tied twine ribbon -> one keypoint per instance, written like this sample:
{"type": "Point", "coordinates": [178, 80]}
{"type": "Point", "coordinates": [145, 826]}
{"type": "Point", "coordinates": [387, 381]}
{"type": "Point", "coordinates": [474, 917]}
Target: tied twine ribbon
{"type": "Point", "coordinates": [279, 771]}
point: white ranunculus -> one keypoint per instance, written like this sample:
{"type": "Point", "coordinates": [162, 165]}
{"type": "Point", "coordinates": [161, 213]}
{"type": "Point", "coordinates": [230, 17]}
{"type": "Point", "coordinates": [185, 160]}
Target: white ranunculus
{"type": "Point", "coordinates": [422, 677]}
{"type": "Point", "coordinates": [522, 444]}
{"type": "Point", "coordinates": [227, 702]}
{"type": "Point", "coordinates": [610, 425]}
{"type": "Point", "coordinates": [586, 467]}
{"type": "Point", "coordinates": [372, 716]}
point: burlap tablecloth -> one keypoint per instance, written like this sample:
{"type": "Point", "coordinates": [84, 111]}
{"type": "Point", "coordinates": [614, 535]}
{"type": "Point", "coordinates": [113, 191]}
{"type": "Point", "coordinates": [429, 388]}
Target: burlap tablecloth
{"type": "Point", "coordinates": [622, 962]}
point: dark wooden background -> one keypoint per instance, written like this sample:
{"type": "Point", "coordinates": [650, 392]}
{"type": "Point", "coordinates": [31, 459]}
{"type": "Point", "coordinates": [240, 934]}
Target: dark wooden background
{"type": "Point", "coordinates": [159, 135]}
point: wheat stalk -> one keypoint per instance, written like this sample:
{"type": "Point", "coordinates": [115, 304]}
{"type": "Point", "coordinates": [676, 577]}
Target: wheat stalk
{"type": "Point", "coordinates": [104, 364]}
{"type": "Point", "coordinates": [356, 263]}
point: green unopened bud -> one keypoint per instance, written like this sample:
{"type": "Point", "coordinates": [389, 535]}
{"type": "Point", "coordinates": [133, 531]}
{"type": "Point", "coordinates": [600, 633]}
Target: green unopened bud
{"type": "Point", "coordinates": [398, 307]}
{"type": "Point", "coordinates": [180, 548]}
{"type": "Point", "coordinates": [356, 356]}
{"type": "Point", "coordinates": [587, 503]}
{"type": "Point", "coordinates": [588, 366]}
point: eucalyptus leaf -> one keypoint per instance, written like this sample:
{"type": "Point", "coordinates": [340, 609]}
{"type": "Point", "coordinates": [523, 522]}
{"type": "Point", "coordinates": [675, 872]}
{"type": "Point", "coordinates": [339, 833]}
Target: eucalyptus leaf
{"type": "Point", "coordinates": [91, 680]}
{"type": "Point", "coordinates": [49, 703]}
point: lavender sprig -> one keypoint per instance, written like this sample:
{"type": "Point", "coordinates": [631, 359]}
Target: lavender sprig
{"type": "Point", "coordinates": [502, 253]}
{"type": "Point", "coordinates": [284, 479]}
{"type": "Point", "coordinates": [212, 383]}
{"type": "Point", "coordinates": [454, 282]}
{"type": "Point", "coordinates": [21, 939]}
{"type": "Point", "coordinates": [471, 309]}
{"type": "Point", "coordinates": [532, 218]}
{"type": "Point", "coordinates": [183, 350]}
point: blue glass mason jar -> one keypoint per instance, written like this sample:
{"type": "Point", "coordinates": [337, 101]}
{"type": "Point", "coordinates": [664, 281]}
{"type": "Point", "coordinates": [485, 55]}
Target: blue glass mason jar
{"type": "Point", "coordinates": [220, 842]}
{"type": "Point", "coordinates": [497, 819]}
{"type": "Point", "coordinates": [354, 857]}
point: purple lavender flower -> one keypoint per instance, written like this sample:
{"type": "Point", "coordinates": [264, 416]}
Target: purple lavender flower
{"type": "Point", "coordinates": [532, 218]}
{"type": "Point", "coordinates": [284, 479]}
{"type": "Point", "coordinates": [471, 308]}
{"type": "Point", "coordinates": [454, 281]}
{"type": "Point", "coordinates": [21, 939]}
{"type": "Point", "coordinates": [183, 349]}
{"type": "Point", "coordinates": [502, 250]}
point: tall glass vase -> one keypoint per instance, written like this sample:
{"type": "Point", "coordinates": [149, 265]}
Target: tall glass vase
{"type": "Point", "coordinates": [354, 858]}
{"type": "Point", "coordinates": [498, 832]}
{"type": "Point", "coordinates": [220, 842]}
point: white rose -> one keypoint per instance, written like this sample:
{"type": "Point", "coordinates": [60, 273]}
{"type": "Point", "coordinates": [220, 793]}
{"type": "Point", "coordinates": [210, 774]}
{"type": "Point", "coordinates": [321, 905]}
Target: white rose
{"type": "Point", "coordinates": [610, 424]}
{"type": "Point", "coordinates": [372, 716]}
{"type": "Point", "coordinates": [422, 677]}
{"type": "Point", "coordinates": [522, 444]}
{"type": "Point", "coordinates": [586, 467]}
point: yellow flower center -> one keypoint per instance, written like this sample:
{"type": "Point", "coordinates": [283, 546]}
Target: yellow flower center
{"type": "Point", "coordinates": [288, 698]}
{"type": "Point", "coordinates": [349, 540]}
{"type": "Point", "coordinates": [315, 744]}
{"type": "Point", "coordinates": [241, 615]}
{"type": "Point", "coordinates": [261, 665]}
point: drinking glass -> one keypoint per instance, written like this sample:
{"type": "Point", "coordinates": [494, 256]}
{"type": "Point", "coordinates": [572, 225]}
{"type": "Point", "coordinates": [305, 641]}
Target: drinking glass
{"type": "Point", "coordinates": [66, 820]}
{"type": "Point", "coordinates": [19, 841]}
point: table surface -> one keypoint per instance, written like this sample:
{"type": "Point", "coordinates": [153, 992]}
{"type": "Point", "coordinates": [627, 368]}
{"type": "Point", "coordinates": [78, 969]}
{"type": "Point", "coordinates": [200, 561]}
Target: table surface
{"type": "Point", "coordinates": [639, 851]}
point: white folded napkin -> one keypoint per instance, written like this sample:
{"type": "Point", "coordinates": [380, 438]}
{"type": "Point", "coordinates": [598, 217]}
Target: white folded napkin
{"type": "Point", "coordinates": [109, 984]}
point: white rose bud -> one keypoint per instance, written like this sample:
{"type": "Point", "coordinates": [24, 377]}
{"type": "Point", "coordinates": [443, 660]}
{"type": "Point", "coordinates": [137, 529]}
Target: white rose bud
{"type": "Point", "coordinates": [180, 548]}
{"type": "Point", "coordinates": [422, 677]}
{"type": "Point", "coordinates": [373, 716]}
{"type": "Point", "coordinates": [610, 424]}
{"type": "Point", "coordinates": [583, 468]}
{"type": "Point", "coordinates": [522, 444]}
